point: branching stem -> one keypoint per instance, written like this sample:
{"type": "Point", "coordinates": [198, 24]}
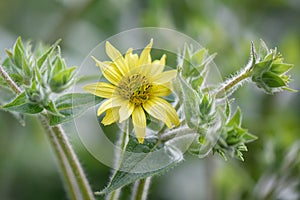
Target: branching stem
{"type": "Point", "coordinates": [72, 171]}
{"type": "Point", "coordinates": [74, 163]}
{"type": "Point", "coordinates": [64, 166]}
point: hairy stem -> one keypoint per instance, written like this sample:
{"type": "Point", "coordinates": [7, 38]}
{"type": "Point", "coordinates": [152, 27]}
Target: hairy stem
{"type": "Point", "coordinates": [64, 166]}
{"type": "Point", "coordinates": [140, 189]}
{"type": "Point", "coordinates": [74, 163]}
{"type": "Point", "coordinates": [232, 82]}
{"type": "Point", "coordinates": [75, 179]}
{"type": "Point", "coordinates": [122, 143]}
{"type": "Point", "coordinates": [9, 81]}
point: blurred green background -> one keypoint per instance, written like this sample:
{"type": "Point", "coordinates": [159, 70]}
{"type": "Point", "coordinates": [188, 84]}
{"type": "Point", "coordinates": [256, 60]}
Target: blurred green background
{"type": "Point", "coordinates": [271, 169]}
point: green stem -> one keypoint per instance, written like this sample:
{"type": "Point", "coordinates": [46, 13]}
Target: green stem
{"type": "Point", "coordinates": [232, 82]}
{"type": "Point", "coordinates": [140, 189]}
{"type": "Point", "coordinates": [74, 163]}
{"type": "Point", "coordinates": [115, 195]}
{"type": "Point", "coordinates": [9, 81]}
{"type": "Point", "coordinates": [122, 143]}
{"type": "Point", "coordinates": [64, 166]}
{"type": "Point", "coordinates": [76, 181]}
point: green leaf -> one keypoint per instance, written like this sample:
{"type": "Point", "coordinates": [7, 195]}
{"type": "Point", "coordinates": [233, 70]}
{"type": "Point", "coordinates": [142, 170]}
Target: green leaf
{"type": "Point", "coordinates": [143, 160]}
{"type": "Point", "coordinates": [53, 110]}
{"type": "Point", "coordinates": [64, 76]}
{"type": "Point", "coordinates": [281, 68]}
{"type": "Point", "coordinates": [261, 67]}
{"type": "Point", "coordinates": [205, 105]}
{"type": "Point", "coordinates": [236, 118]}
{"type": "Point", "coordinates": [59, 65]}
{"type": "Point", "coordinates": [248, 137]}
{"type": "Point", "coordinates": [72, 106]}
{"type": "Point", "coordinates": [272, 80]}
{"type": "Point", "coordinates": [26, 69]}
{"type": "Point", "coordinates": [190, 99]}
{"type": "Point", "coordinates": [21, 104]}
{"type": "Point", "coordinates": [198, 56]}
{"type": "Point", "coordinates": [19, 53]}
{"type": "Point", "coordinates": [196, 83]}
{"type": "Point", "coordinates": [41, 60]}
{"type": "Point", "coordinates": [5, 95]}
{"type": "Point", "coordinates": [38, 75]}
{"type": "Point", "coordinates": [62, 80]}
{"type": "Point", "coordinates": [17, 78]}
{"type": "Point", "coordinates": [186, 65]}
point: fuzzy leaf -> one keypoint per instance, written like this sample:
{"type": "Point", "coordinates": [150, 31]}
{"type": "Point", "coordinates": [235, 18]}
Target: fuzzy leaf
{"type": "Point", "coordinates": [198, 56]}
{"type": "Point", "coordinates": [41, 60]}
{"type": "Point", "coordinates": [53, 110]}
{"type": "Point", "coordinates": [248, 137]}
{"type": "Point", "coordinates": [272, 80]}
{"type": "Point", "coordinates": [236, 118]}
{"type": "Point", "coordinates": [190, 99]}
{"type": "Point", "coordinates": [197, 83]}
{"type": "Point", "coordinates": [141, 161]}
{"type": "Point", "coordinates": [21, 104]}
{"type": "Point", "coordinates": [186, 64]}
{"type": "Point", "coordinates": [19, 53]}
{"type": "Point", "coordinates": [72, 106]}
{"type": "Point", "coordinates": [26, 69]}
{"type": "Point", "coordinates": [281, 68]}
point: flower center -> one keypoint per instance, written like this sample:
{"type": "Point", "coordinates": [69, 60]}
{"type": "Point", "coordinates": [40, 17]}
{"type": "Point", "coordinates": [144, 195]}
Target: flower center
{"type": "Point", "coordinates": [135, 88]}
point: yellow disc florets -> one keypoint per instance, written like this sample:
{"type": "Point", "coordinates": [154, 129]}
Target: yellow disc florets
{"type": "Point", "coordinates": [135, 88]}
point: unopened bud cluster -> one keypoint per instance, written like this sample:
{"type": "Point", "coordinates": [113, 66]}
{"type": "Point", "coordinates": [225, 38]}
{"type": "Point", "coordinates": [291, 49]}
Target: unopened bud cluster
{"type": "Point", "coordinates": [40, 72]}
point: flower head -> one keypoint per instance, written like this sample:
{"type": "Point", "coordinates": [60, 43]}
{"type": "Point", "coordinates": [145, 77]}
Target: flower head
{"type": "Point", "coordinates": [137, 85]}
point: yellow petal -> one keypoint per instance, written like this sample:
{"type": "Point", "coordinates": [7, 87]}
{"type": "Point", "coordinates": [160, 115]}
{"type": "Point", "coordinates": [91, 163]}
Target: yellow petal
{"type": "Point", "coordinates": [164, 77]}
{"type": "Point", "coordinates": [100, 89]}
{"type": "Point", "coordinates": [109, 103]}
{"type": "Point", "coordinates": [131, 59]}
{"type": "Point", "coordinates": [158, 66]}
{"type": "Point", "coordinates": [117, 57]}
{"type": "Point", "coordinates": [139, 123]}
{"type": "Point", "coordinates": [145, 57]}
{"type": "Point", "coordinates": [162, 110]}
{"type": "Point", "coordinates": [112, 115]}
{"type": "Point", "coordinates": [161, 90]}
{"type": "Point", "coordinates": [157, 111]}
{"type": "Point", "coordinates": [126, 110]}
{"type": "Point", "coordinates": [109, 71]}
{"type": "Point", "coordinates": [171, 112]}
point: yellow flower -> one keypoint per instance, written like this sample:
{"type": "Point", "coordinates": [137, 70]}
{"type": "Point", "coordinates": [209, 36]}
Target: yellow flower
{"type": "Point", "coordinates": [136, 86]}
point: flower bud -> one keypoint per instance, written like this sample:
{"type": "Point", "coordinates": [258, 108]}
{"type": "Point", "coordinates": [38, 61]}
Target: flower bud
{"type": "Point", "coordinates": [61, 77]}
{"type": "Point", "coordinates": [35, 94]}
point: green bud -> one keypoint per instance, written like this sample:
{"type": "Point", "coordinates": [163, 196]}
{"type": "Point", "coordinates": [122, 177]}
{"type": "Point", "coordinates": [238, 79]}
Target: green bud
{"type": "Point", "coordinates": [34, 93]}
{"type": "Point", "coordinates": [62, 80]}
{"type": "Point", "coordinates": [269, 70]}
